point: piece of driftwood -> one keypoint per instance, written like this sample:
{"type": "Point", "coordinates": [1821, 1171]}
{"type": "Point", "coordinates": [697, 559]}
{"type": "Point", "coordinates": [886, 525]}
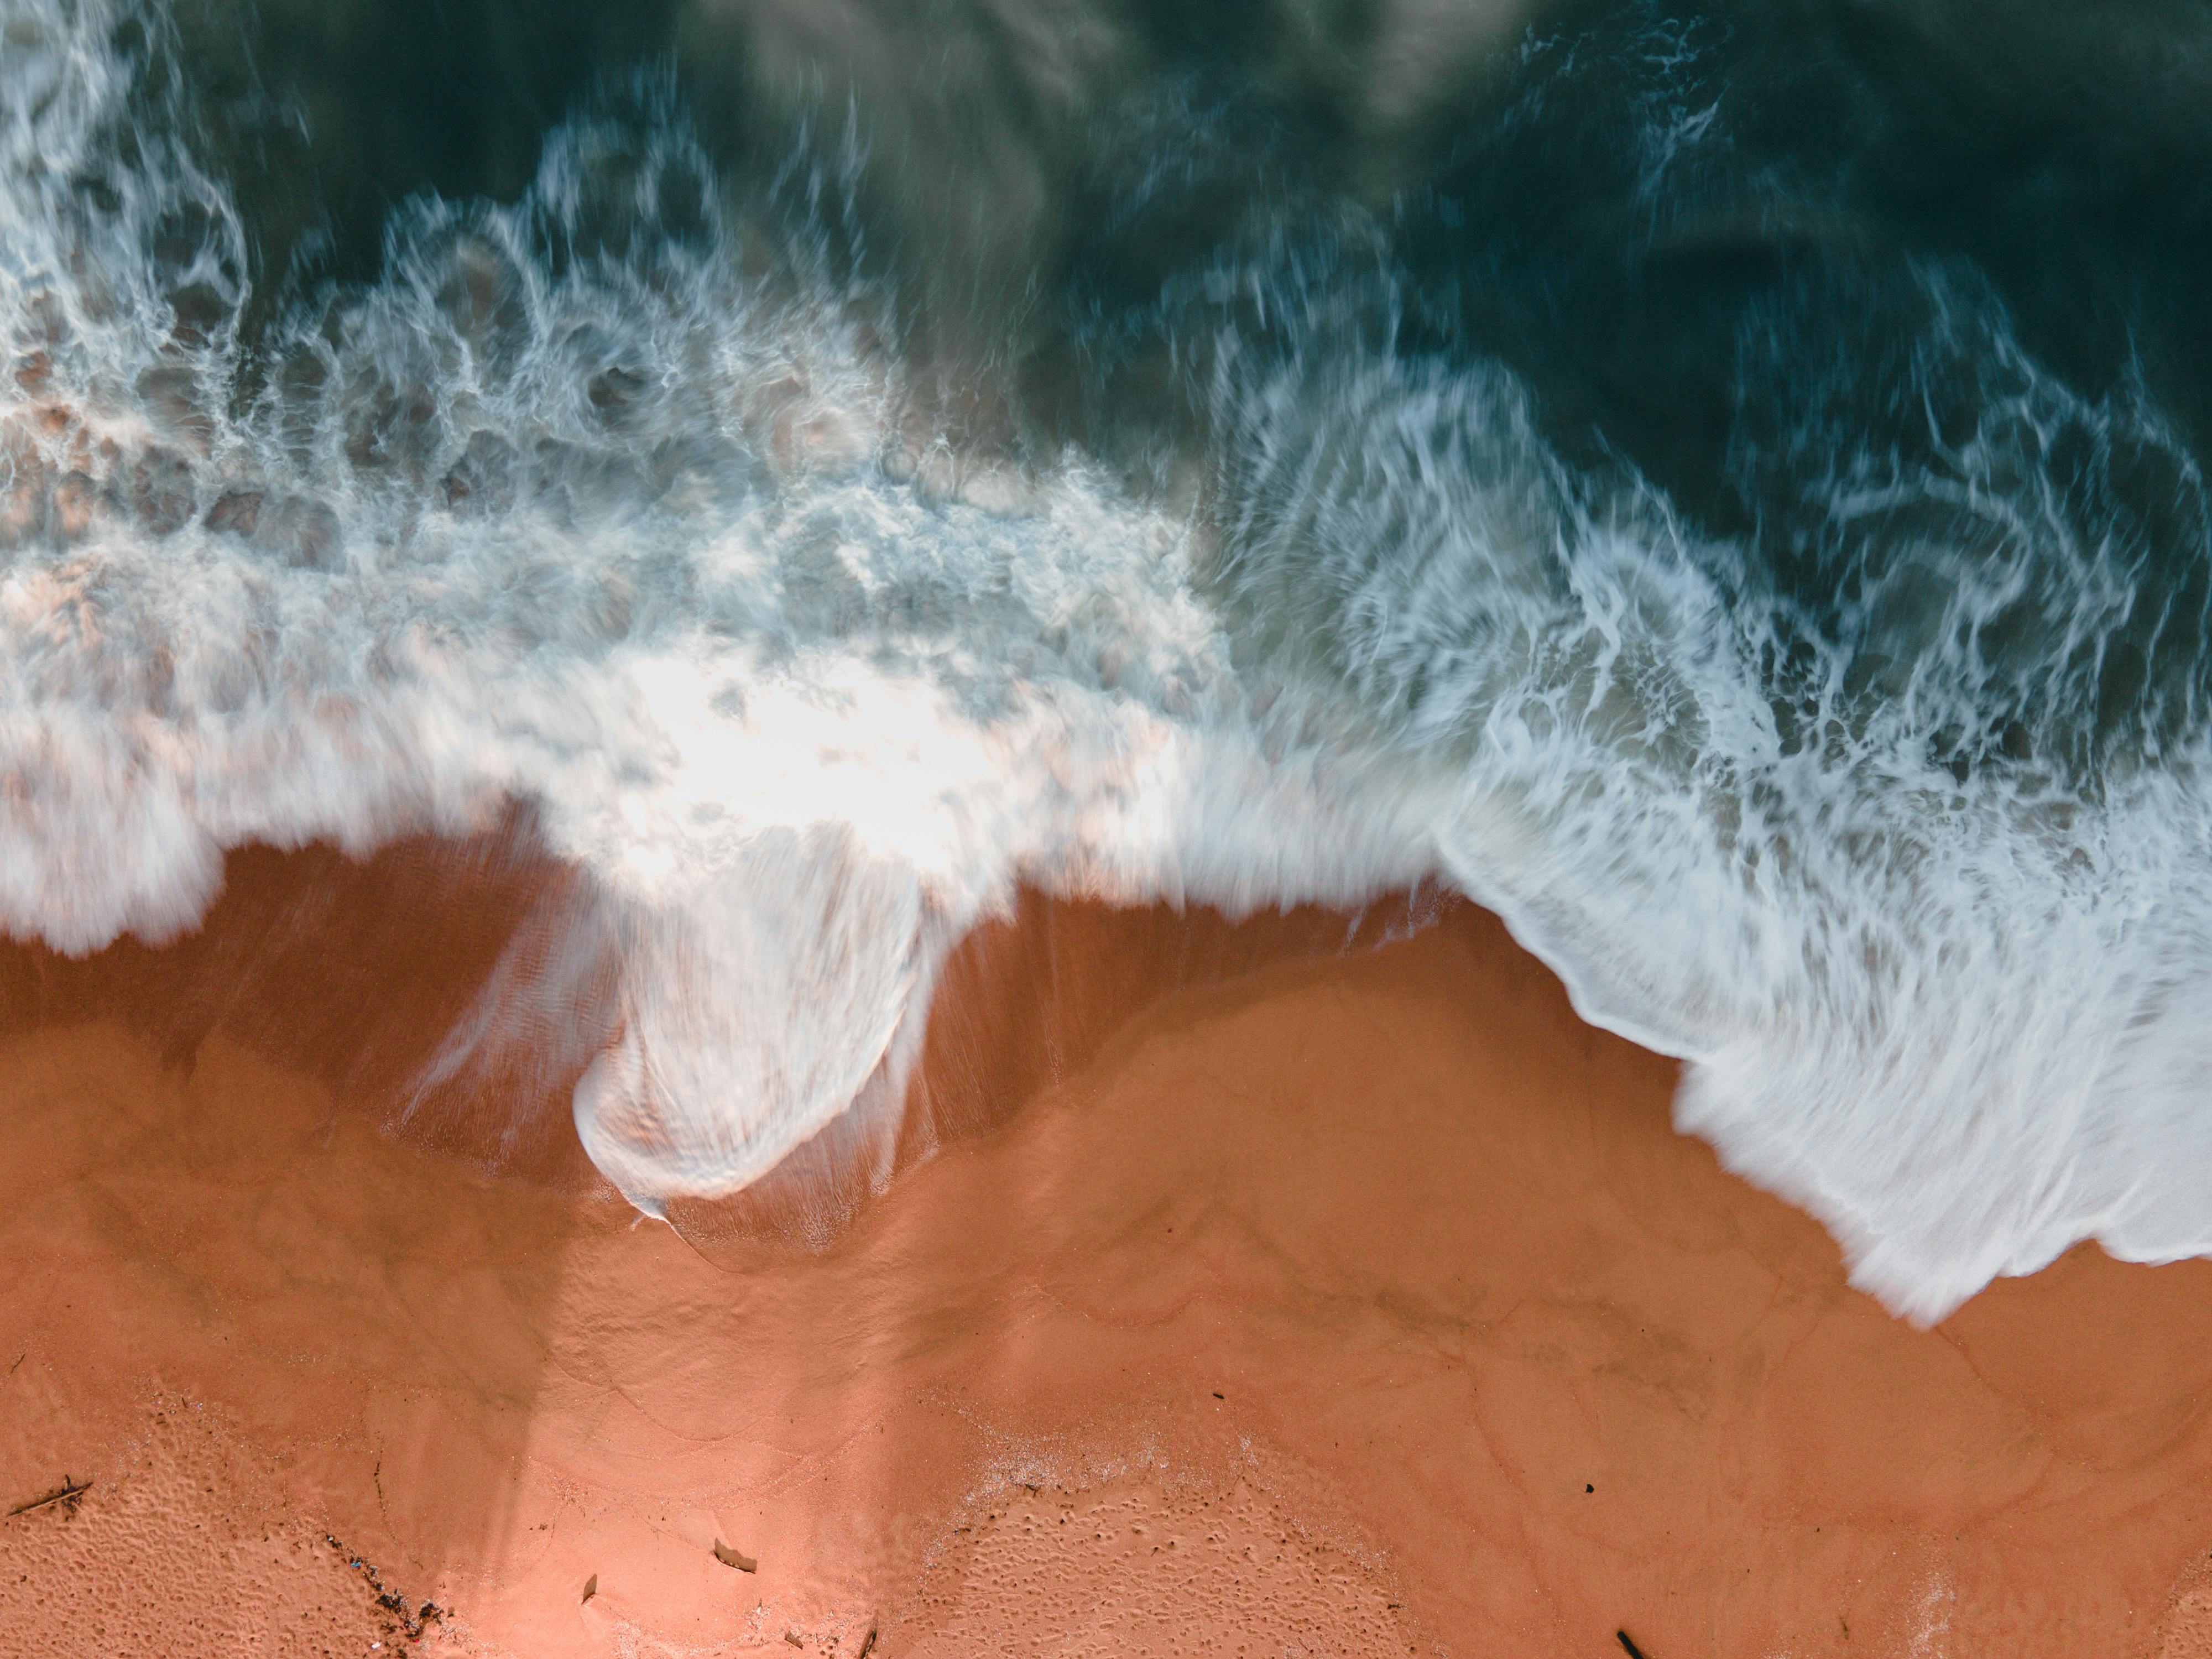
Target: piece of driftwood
{"type": "Point", "coordinates": [1634, 1652]}
{"type": "Point", "coordinates": [868, 1646]}
{"type": "Point", "coordinates": [729, 1558]}
{"type": "Point", "coordinates": [69, 1494]}
{"type": "Point", "coordinates": [591, 1587]}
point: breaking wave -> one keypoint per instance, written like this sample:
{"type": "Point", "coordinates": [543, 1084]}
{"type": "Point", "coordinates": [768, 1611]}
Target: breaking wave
{"type": "Point", "coordinates": [1632, 516]}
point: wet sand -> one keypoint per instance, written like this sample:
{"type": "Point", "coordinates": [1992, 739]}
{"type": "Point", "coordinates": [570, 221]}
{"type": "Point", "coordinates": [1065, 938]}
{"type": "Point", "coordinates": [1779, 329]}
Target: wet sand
{"type": "Point", "coordinates": [1237, 1293]}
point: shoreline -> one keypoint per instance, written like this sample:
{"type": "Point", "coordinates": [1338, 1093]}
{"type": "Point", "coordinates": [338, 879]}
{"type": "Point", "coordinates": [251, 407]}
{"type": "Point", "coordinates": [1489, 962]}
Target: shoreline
{"type": "Point", "coordinates": [1229, 1288]}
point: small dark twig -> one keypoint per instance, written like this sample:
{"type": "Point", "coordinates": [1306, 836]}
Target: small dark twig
{"type": "Point", "coordinates": [1634, 1652]}
{"type": "Point", "coordinates": [70, 1493]}
{"type": "Point", "coordinates": [868, 1646]}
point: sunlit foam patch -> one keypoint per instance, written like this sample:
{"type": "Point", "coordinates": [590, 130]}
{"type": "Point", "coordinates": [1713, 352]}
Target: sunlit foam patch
{"type": "Point", "coordinates": [754, 1015]}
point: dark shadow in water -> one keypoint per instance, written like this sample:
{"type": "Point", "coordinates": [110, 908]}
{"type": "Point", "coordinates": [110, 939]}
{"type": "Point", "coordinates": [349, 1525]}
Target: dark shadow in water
{"type": "Point", "coordinates": [984, 124]}
{"type": "Point", "coordinates": [328, 115]}
{"type": "Point", "coordinates": [1650, 186]}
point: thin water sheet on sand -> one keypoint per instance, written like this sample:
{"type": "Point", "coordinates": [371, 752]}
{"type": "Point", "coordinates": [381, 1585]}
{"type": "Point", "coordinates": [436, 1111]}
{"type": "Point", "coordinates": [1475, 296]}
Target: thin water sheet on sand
{"type": "Point", "coordinates": [1242, 1295]}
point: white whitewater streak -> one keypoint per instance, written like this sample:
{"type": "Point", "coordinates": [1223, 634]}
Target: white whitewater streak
{"type": "Point", "coordinates": [611, 533]}
{"type": "Point", "coordinates": [1964, 1023]}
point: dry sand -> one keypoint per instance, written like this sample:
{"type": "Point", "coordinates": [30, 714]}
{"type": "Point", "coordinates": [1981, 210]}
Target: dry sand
{"type": "Point", "coordinates": [1237, 1296]}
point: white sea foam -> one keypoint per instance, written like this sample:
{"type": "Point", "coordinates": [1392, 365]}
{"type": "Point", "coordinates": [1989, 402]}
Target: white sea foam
{"type": "Point", "coordinates": [632, 525]}
{"type": "Point", "coordinates": [1960, 1019]}
{"type": "Point", "coordinates": [628, 542]}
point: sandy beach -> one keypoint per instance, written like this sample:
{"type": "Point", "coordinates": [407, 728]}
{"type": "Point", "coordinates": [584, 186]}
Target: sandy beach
{"type": "Point", "coordinates": [634, 640]}
{"type": "Point", "coordinates": [1237, 1292]}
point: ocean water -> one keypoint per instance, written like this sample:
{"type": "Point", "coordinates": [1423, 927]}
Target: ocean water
{"type": "Point", "coordinates": [1722, 485]}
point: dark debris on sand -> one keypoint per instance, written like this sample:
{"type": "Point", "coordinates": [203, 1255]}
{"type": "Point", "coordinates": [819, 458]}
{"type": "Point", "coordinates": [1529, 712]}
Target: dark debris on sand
{"type": "Point", "coordinates": [67, 1495]}
{"type": "Point", "coordinates": [411, 1624]}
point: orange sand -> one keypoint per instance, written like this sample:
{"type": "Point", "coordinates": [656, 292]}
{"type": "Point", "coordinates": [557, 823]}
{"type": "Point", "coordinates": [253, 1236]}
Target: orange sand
{"type": "Point", "coordinates": [1252, 1300]}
